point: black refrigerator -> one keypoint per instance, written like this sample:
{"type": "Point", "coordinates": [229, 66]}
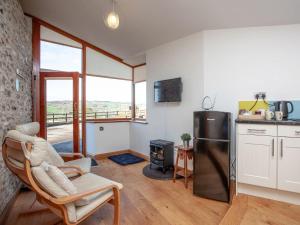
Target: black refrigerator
{"type": "Point", "coordinates": [212, 155]}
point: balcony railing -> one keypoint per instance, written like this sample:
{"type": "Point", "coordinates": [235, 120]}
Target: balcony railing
{"type": "Point", "coordinates": [55, 119]}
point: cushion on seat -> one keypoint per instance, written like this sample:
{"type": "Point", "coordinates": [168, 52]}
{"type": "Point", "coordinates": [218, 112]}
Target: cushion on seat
{"type": "Point", "coordinates": [18, 136]}
{"type": "Point", "coordinates": [54, 158]}
{"type": "Point", "coordinates": [48, 184]}
{"type": "Point", "coordinates": [83, 163]}
{"type": "Point", "coordinates": [87, 182]}
{"type": "Point", "coordinates": [52, 188]}
{"type": "Point", "coordinates": [38, 153]}
{"type": "Point", "coordinates": [91, 181]}
{"type": "Point", "coordinates": [25, 133]}
{"type": "Point", "coordinates": [59, 178]}
{"type": "Point", "coordinates": [84, 210]}
{"type": "Point", "coordinates": [30, 129]}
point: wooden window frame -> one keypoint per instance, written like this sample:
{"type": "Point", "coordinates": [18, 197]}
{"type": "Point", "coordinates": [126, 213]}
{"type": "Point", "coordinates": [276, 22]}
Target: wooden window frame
{"type": "Point", "coordinates": [74, 76]}
{"type": "Point", "coordinates": [110, 120]}
{"type": "Point", "coordinates": [36, 48]}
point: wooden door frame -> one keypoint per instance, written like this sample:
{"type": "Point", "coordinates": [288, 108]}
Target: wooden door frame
{"type": "Point", "coordinates": [43, 97]}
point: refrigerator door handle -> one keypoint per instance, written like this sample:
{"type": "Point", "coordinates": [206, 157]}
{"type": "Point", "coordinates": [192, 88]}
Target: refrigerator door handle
{"type": "Point", "coordinates": [273, 150]}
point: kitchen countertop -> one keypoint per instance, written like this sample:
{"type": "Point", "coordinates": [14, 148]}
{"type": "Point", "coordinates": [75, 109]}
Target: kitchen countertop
{"type": "Point", "coordinates": [271, 122]}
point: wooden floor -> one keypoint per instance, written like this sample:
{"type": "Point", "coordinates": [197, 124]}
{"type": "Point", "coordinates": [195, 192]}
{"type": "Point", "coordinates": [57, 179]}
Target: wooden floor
{"type": "Point", "coordinates": [250, 210]}
{"type": "Point", "coordinates": [152, 202]}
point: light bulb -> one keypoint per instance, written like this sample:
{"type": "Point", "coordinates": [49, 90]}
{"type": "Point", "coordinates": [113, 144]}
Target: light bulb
{"type": "Point", "coordinates": [112, 20]}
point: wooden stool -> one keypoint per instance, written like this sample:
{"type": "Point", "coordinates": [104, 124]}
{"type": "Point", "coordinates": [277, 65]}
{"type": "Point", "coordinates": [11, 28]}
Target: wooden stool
{"type": "Point", "coordinates": [183, 154]}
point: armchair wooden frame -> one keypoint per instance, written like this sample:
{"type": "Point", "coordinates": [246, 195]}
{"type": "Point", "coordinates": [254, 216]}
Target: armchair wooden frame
{"type": "Point", "coordinates": [56, 205]}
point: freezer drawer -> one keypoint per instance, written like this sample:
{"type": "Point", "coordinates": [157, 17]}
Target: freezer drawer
{"type": "Point", "coordinates": [212, 125]}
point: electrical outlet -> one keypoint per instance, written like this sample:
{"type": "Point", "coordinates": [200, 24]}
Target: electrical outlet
{"type": "Point", "coordinates": [260, 95]}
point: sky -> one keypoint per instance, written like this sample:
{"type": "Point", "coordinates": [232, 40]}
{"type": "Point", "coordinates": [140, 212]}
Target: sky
{"type": "Point", "coordinates": [63, 58]}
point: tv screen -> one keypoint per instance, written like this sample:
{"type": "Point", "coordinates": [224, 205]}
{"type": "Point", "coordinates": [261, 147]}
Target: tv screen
{"type": "Point", "coordinates": [168, 90]}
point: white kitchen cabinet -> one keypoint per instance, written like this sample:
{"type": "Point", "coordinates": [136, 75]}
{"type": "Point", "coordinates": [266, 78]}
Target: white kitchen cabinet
{"type": "Point", "coordinates": [268, 161]}
{"type": "Point", "coordinates": [257, 158]}
{"type": "Point", "coordinates": [289, 163]}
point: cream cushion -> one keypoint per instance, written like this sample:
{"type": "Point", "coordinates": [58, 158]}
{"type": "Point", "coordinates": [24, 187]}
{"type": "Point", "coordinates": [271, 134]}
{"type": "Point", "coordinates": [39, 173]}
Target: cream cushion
{"type": "Point", "coordinates": [91, 181]}
{"type": "Point", "coordinates": [84, 210]}
{"type": "Point", "coordinates": [48, 185]}
{"type": "Point", "coordinates": [25, 133]}
{"type": "Point", "coordinates": [83, 163]}
{"type": "Point", "coordinates": [59, 178]}
{"type": "Point", "coordinates": [30, 129]}
{"type": "Point", "coordinates": [39, 152]}
{"type": "Point", "coordinates": [54, 157]}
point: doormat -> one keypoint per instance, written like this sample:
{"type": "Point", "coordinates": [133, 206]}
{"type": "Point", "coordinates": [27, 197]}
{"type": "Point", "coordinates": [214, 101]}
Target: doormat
{"type": "Point", "coordinates": [126, 159]}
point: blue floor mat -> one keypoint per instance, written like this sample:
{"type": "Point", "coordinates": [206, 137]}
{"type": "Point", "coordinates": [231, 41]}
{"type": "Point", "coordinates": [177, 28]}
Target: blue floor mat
{"type": "Point", "coordinates": [66, 146]}
{"type": "Point", "coordinates": [126, 159]}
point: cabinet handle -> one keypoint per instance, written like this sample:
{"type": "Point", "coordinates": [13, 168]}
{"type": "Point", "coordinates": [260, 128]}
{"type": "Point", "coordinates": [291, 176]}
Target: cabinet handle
{"type": "Point", "coordinates": [297, 132]}
{"type": "Point", "coordinates": [273, 151]}
{"type": "Point", "coordinates": [281, 148]}
{"type": "Point", "coordinates": [256, 131]}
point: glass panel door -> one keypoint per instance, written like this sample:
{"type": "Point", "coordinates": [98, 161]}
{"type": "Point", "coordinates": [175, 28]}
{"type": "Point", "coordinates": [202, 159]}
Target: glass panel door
{"type": "Point", "coordinates": [59, 110]}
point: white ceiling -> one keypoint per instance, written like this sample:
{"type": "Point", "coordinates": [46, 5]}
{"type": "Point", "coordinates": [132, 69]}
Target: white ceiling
{"type": "Point", "coordinates": [148, 23]}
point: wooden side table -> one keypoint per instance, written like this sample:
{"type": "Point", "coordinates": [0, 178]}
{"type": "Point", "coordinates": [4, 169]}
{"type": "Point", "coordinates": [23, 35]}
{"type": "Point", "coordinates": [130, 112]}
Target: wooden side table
{"type": "Point", "coordinates": [183, 154]}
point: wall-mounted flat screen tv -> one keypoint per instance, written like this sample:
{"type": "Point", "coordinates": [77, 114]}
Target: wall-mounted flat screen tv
{"type": "Point", "coordinates": [168, 90]}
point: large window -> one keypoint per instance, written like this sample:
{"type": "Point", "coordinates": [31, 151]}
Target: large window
{"type": "Point", "coordinates": [60, 57]}
{"type": "Point", "coordinates": [108, 98]}
{"type": "Point", "coordinates": [140, 100]}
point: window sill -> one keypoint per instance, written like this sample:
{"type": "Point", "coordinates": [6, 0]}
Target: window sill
{"type": "Point", "coordinates": [139, 121]}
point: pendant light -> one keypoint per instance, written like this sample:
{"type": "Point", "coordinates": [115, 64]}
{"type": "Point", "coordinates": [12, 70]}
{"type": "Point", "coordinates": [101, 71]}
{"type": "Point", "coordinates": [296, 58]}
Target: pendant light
{"type": "Point", "coordinates": [112, 20]}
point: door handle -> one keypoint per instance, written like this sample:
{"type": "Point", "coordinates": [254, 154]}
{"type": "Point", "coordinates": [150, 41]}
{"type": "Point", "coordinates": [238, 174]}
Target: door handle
{"type": "Point", "coordinates": [281, 148]}
{"type": "Point", "coordinates": [261, 131]}
{"type": "Point", "coordinates": [273, 150]}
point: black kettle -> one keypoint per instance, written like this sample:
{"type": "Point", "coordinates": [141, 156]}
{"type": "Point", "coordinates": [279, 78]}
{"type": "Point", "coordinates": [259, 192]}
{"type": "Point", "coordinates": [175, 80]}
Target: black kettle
{"type": "Point", "coordinates": [283, 107]}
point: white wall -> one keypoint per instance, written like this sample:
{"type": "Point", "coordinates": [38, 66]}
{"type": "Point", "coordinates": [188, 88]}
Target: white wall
{"type": "Point", "coordinates": [140, 73]}
{"type": "Point", "coordinates": [230, 64]}
{"type": "Point", "coordinates": [239, 62]}
{"type": "Point", "coordinates": [114, 137]}
{"type": "Point", "coordinates": [50, 35]}
{"type": "Point", "coordinates": [182, 58]}
{"type": "Point", "coordinates": [101, 65]}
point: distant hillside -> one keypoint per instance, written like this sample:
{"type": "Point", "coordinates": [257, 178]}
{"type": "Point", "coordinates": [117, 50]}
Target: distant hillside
{"type": "Point", "coordinates": [92, 106]}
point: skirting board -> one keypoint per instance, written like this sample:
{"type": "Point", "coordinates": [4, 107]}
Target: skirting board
{"type": "Point", "coordinates": [106, 155]}
{"type": "Point", "coordinates": [278, 195]}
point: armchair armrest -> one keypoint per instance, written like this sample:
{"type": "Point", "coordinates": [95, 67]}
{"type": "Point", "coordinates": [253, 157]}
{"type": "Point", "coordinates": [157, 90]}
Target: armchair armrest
{"type": "Point", "coordinates": [75, 197]}
{"type": "Point", "coordinates": [71, 169]}
{"type": "Point", "coordinates": [67, 156]}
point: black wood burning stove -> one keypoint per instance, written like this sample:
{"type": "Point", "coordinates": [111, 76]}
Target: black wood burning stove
{"type": "Point", "coordinates": [162, 154]}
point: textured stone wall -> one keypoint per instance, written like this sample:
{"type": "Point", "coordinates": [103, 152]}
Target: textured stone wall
{"type": "Point", "coordinates": [15, 106]}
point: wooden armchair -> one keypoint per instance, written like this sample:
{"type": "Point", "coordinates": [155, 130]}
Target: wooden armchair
{"type": "Point", "coordinates": [58, 159]}
{"type": "Point", "coordinates": [95, 190]}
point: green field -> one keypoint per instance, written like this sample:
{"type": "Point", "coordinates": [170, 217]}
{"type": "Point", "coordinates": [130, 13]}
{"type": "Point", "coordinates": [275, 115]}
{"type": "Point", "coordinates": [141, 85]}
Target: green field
{"type": "Point", "coordinates": [94, 110]}
{"type": "Point", "coordinates": [92, 106]}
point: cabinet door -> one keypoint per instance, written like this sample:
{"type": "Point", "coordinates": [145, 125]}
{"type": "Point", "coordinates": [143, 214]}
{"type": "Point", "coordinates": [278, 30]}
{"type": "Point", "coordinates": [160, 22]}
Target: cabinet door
{"type": "Point", "coordinates": [289, 164]}
{"type": "Point", "coordinates": [257, 160]}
